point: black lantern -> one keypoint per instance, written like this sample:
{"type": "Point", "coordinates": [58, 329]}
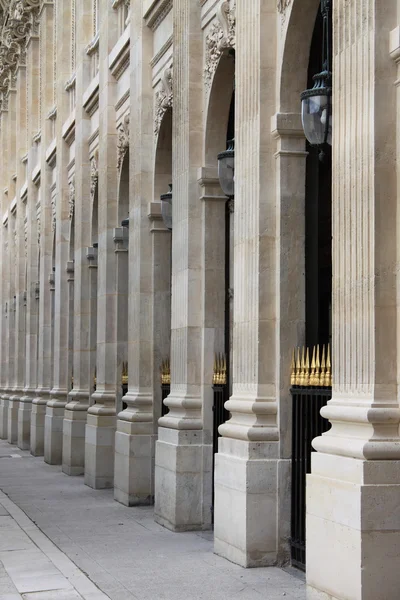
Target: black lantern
{"type": "Point", "coordinates": [125, 223]}
{"type": "Point", "coordinates": [166, 208]}
{"type": "Point", "coordinates": [226, 169]}
{"type": "Point", "coordinates": [316, 103]}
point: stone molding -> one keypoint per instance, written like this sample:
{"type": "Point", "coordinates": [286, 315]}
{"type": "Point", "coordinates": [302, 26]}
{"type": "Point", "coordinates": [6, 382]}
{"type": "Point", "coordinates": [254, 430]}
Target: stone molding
{"type": "Point", "coordinates": [53, 213]}
{"type": "Point", "coordinates": [222, 36]}
{"type": "Point", "coordinates": [164, 98]}
{"type": "Point", "coordinates": [123, 140]}
{"type": "Point", "coordinates": [17, 22]}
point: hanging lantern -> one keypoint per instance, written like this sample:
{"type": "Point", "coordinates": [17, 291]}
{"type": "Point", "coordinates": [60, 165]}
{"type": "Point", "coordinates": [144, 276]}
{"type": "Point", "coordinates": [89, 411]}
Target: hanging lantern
{"type": "Point", "coordinates": [166, 208]}
{"type": "Point", "coordinates": [226, 169]}
{"type": "Point", "coordinates": [316, 103]}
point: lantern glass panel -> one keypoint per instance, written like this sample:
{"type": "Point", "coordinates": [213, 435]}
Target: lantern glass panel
{"type": "Point", "coordinates": [314, 111]}
{"type": "Point", "coordinates": [166, 210]}
{"type": "Point", "coordinates": [226, 172]}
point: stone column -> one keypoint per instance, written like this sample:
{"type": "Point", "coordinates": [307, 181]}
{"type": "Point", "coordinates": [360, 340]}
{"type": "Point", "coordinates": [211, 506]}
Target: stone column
{"type": "Point", "coordinates": [28, 93]}
{"type": "Point", "coordinates": [134, 441]}
{"type": "Point", "coordinates": [100, 427]}
{"type": "Point", "coordinates": [76, 409]}
{"type": "Point", "coordinates": [352, 494]}
{"type": "Point", "coordinates": [61, 375]}
{"type": "Point", "coordinates": [3, 317]}
{"type": "Point", "coordinates": [42, 229]}
{"type": "Point", "coordinates": [5, 308]}
{"type": "Point", "coordinates": [16, 224]}
{"type": "Point", "coordinates": [179, 449]}
{"type": "Point", "coordinates": [248, 470]}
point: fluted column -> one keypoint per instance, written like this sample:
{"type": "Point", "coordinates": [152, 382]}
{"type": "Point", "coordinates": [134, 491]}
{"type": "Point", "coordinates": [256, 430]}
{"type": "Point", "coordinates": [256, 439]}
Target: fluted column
{"type": "Point", "coordinates": [101, 419]}
{"type": "Point", "coordinates": [134, 441]}
{"type": "Point", "coordinates": [15, 212]}
{"type": "Point", "coordinates": [5, 370]}
{"type": "Point", "coordinates": [352, 523]}
{"type": "Point", "coordinates": [61, 372]}
{"type": "Point", "coordinates": [41, 235]}
{"type": "Point", "coordinates": [28, 90]}
{"type": "Point", "coordinates": [78, 399]}
{"type": "Point", "coordinates": [179, 451]}
{"type": "Point", "coordinates": [248, 470]}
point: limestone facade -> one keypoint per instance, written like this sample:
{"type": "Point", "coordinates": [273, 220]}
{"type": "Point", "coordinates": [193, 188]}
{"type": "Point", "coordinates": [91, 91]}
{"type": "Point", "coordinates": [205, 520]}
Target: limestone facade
{"type": "Point", "coordinates": [103, 104]}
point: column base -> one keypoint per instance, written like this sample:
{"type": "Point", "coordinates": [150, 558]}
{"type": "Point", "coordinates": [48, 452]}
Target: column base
{"type": "Point", "coordinates": [99, 450]}
{"type": "Point", "coordinates": [37, 425]}
{"type": "Point", "coordinates": [53, 432]}
{"type": "Point", "coordinates": [252, 503]}
{"type": "Point", "coordinates": [134, 465]}
{"type": "Point", "coordinates": [12, 422]}
{"type": "Point", "coordinates": [183, 466]}
{"type": "Point", "coordinates": [353, 529]}
{"type": "Point", "coordinates": [24, 423]}
{"type": "Point", "coordinates": [73, 452]}
{"type": "Point", "coordinates": [4, 401]}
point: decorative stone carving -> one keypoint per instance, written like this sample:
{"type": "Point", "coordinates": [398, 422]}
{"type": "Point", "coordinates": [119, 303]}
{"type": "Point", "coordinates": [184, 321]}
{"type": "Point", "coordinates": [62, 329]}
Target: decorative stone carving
{"type": "Point", "coordinates": [282, 5]}
{"type": "Point", "coordinates": [38, 226]}
{"type": "Point", "coordinates": [221, 37]}
{"type": "Point", "coordinates": [94, 173]}
{"type": "Point", "coordinates": [53, 213]}
{"type": "Point", "coordinates": [71, 198]}
{"type": "Point", "coordinates": [123, 140]}
{"type": "Point", "coordinates": [26, 238]}
{"type": "Point", "coordinates": [164, 98]}
{"type": "Point", "coordinates": [17, 22]}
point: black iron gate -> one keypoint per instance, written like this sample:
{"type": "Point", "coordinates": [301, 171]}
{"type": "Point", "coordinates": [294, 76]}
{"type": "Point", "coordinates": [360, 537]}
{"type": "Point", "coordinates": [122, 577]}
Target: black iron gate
{"type": "Point", "coordinates": [221, 395]}
{"type": "Point", "coordinates": [311, 389]}
{"type": "Point", "coordinates": [165, 373]}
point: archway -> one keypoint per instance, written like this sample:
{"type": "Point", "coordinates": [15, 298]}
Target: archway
{"type": "Point", "coordinates": [92, 257]}
{"type": "Point", "coordinates": [218, 251]}
{"type": "Point", "coordinates": [122, 251]}
{"type": "Point", "coordinates": [307, 228]}
{"type": "Point", "coordinates": [162, 266]}
{"type": "Point", "coordinates": [70, 280]}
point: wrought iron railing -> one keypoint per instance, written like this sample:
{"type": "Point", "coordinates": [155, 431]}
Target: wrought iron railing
{"type": "Point", "coordinates": [311, 389]}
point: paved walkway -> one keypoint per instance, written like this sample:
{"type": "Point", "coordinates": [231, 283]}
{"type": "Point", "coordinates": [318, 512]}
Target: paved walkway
{"type": "Point", "coordinates": [60, 540]}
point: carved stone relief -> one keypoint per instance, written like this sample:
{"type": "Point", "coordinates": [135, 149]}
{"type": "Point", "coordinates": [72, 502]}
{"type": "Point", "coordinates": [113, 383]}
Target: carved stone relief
{"type": "Point", "coordinates": [17, 23]}
{"type": "Point", "coordinates": [123, 140]}
{"type": "Point", "coordinates": [53, 213]}
{"type": "Point", "coordinates": [94, 173]}
{"type": "Point", "coordinates": [164, 98]}
{"type": "Point", "coordinates": [221, 36]}
{"type": "Point", "coordinates": [71, 198]}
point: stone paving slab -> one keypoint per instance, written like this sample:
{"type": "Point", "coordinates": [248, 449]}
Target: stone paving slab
{"type": "Point", "coordinates": [122, 550]}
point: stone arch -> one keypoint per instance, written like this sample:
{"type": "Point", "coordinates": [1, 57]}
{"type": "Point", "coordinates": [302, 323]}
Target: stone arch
{"type": "Point", "coordinates": [95, 216]}
{"type": "Point", "coordinates": [123, 189]}
{"type": "Point", "coordinates": [296, 54]}
{"type": "Point", "coordinates": [163, 156]}
{"type": "Point", "coordinates": [219, 103]}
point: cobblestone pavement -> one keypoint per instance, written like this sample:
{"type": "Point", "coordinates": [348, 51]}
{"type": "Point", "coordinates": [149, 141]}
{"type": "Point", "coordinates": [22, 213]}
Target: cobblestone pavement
{"type": "Point", "coordinates": [118, 550]}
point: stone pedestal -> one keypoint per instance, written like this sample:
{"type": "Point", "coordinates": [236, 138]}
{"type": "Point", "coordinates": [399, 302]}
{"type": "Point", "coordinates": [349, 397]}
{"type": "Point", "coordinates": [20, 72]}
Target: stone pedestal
{"type": "Point", "coordinates": [134, 464]}
{"type": "Point", "coordinates": [12, 421]}
{"type": "Point", "coordinates": [37, 423]}
{"type": "Point", "coordinates": [53, 429]}
{"type": "Point", "coordinates": [248, 477]}
{"type": "Point", "coordinates": [99, 446]}
{"type": "Point", "coordinates": [73, 451]}
{"type": "Point", "coordinates": [182, 462]}
{"type": "Point", "coordinates": [24, 420]}
{"type": "Point", "coordinates": [4, 402]}
{"type": "Point", "coordinates": [353, 505]}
